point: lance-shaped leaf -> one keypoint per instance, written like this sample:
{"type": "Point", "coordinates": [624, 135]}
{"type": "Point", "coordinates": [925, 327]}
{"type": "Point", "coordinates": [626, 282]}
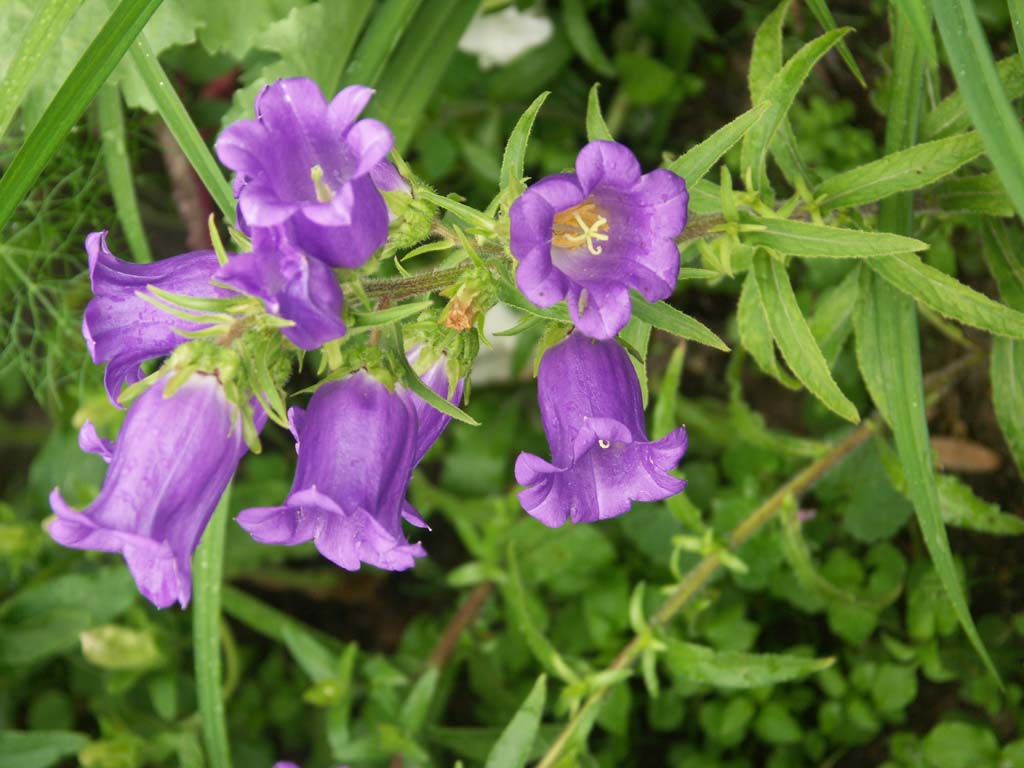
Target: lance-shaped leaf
{"type": "Point", "coordinates": [780, 92]}
{"type": "Point", "coordinates": [697, 161]}
{"type": "Point", "coordinates": [951, 113]}
{"type": "Point", "coordinates": [755, 336]}
{"type": "Point", "coordinates": [981, 193]}
{"type": "Point", "coordinates": [794, 337]}
{"type": "Point", "coordinates": [803, 238]}
{"type": "Point", "coordinates": [669, 319]}
{"type": "Point", "coordinates": [597, 128]}
{"type": "Point", "coordinates": [734, 669]}
{"type": "Point", "coordinates": [514, 159]}
{"type": "Point", "coordinates": [513, 747]}
{"type": "Point", "coordinates": [902, 171]}
{"type": "Point", "coordinates": [948, 296]}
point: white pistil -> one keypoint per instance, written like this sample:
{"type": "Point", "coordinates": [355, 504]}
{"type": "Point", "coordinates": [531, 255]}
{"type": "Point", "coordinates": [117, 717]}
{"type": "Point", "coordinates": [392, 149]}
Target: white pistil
{"type": "Point", "coordinates": [324, 194]}
{"type": "Point", "coordinates": [604, 443]}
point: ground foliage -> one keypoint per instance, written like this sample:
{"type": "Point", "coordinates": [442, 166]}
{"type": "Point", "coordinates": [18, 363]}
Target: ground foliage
{"type": "Point", "coordinates": [823, 635]}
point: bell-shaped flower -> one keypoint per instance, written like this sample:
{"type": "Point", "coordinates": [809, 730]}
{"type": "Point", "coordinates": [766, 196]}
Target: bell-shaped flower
{"type": "Point", "coordinates": [172, 461]}
{"type": "Point", "coordinates": [122, 328]}
{"type": "Point", "coordinates": [358, 443]}
{"type": "Point", "coordinates": [589, 237]}
{"type": "Point", "coordinates": [291, 285]}
{"type": "Point", "coordinates": [601, 459]}
{"type": "Point", "coordinates": [305, 165]}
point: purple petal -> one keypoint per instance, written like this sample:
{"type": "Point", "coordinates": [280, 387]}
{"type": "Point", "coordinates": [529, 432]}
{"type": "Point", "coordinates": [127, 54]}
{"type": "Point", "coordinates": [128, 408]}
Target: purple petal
{"type": "Point", "coordinates": [347, 106]}
{"type": "Point", "coordinates": [539, 279]}
{"type": "Point", "coordinates": [170, 465]}
{"type": "Point", "coordinates": [605, 308]}
{"type": "Point", "coordinates": [430, 421]}
{"type": "Point", "coordinates": [656, 205]}
{"type": "Point", "coordinates": [123, 329]}
{"type": "Point", "coordinates": [90, 442]}
{"type": "Point", "coordinates": [607, 163]}
{"type": "Point", "coordinates": [371, 141]}
{"type": "Point", "coordinates": [387, 178]}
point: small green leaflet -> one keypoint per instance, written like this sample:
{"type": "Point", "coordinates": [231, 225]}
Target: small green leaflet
{"type": "Point", "coordinates": [697, 161]}
{"type": "Point", "coordinates": [410, 378]}
{"type": "Point", "coordinates": [38, 749]}
{"type": "Point", "coordinates": [951, 114]}
{"type": "Point", "coordinates": [581, 35]}
{"type": "Point", "coordinates": [734, 669]}
{"type": "Point", "coordinates": [902, 171]}
{"type": "Point", "coordinates": [514, 159]}
{"type": "Point", "coordinates": [597, 129]}
{"type": "Point", "coordinates": [794, 337]}
{"type": "Point", "coordinates": [671, 320]}
{"type": "Point", "coordinates": [513, 747]}
{"type": "Point", "coordinates": [755, 335]}
{"type": "Point", "coordinates": [808, 240]}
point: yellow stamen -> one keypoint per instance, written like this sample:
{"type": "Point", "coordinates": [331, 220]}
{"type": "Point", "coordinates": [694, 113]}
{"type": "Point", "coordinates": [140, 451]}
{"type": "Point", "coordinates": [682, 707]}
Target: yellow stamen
{"type": "Point", "coordinates": [324, 194]}
{"type": "Point", "coordinates": [582, 224]}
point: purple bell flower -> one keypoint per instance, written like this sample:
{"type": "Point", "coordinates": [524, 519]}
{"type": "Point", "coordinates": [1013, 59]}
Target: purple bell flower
{"type": "Point", "coordinates": [358, 443]}
{"type": "Point", "coordinates": [172, 461]}
{"type": "Point", "coordinates": [291, 285]}
{"type": "Point", "coordinates": [305, 165]}
{"type": "Point", "coordinates": [589, 236]}
{"type": "Point", "coordinates": [123, 329]}
{"type": "Point", "coordinates": [601, 459]}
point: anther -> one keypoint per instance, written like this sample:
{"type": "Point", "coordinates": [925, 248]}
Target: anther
{"type": "Point", "coordinates": [324, 194]}
{"type": "Point", "coordinates": [604, 443]}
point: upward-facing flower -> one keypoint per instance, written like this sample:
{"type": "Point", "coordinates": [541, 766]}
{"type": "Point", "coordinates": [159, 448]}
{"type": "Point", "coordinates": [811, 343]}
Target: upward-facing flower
{"type": "Point", "coordinates": [305, 165]}
{"type": "Point", "coordinates": [172, 461]}
{"type": "Point", "coordinates": [589, 236]}
{"type": "Point", "coordinates": [123, 329]}
{"type": "Point", "coordinates": [292, 286]}
{"type": "Point", "coordinates": [601, 459]}
{"type": "Point", "coordinates": [358, 443]}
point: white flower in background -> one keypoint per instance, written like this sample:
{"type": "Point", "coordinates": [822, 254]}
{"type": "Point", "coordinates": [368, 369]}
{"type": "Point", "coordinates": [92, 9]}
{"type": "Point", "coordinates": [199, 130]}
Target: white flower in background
{"type": "Point", "coordinates": [497, 38]}
{"type": "Point", "coordinates": [494, 365]}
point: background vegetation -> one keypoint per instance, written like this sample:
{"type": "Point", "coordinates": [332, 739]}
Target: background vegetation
{"type": "Point", "coordinates": [797, 606]}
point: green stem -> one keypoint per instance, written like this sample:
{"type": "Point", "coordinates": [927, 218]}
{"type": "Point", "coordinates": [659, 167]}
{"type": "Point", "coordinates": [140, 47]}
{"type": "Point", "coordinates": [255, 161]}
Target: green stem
{"type": "Point", "coordinates": [208, 569]}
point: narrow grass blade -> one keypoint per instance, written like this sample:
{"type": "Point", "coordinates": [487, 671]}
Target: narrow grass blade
{"type": "Point", "coordinates": [180, 124]}
{"type": "Point", "coordinates": [513, 747]}
{"type": "Point", "coordinates": [888, 347]}
{"type": "Point", "coordinates": [119, 171]}
{"type": "Point", "coordinates": [49, 21]}
{"type": "Point", "coordinates": [382, 35]}
{"type": "Point", "coordinates": [984, 96]}
{"type": "Point", "coordinates": [950, 114]}
{"type": "Point", "coordinates": [824, 16]}
{"type": "Point", "coordinates": [581, 35]}
{"type": "Point", "coordinates": [91, 71]}
{"type": "Point", "coordinates": [207, 577]}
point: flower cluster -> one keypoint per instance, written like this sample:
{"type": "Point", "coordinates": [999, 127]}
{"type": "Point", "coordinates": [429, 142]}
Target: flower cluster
{"type": "Point", "coordinates": [313, 187]}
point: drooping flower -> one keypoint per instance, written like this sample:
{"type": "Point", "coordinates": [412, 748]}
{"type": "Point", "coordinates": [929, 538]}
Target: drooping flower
{"type": "Point", "coordinates": [305, 165]}
{"type": "Point", "coordinates": [590, 236]}
{"type": "Point", "coordinates": [123, 329]}
{"type": "Point", "coordinates": [172, 461]}
{"type": "Point", "coordinates": [358, 443]}
{"type": "Point", "coordinates": [291, 285]}
{"type": "Point", "coordinates": [601, 459]}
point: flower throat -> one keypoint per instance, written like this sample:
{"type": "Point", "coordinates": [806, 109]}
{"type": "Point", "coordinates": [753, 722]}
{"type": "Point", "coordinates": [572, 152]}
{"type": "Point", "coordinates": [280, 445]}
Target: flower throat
{"type": "Point", "coordinates": [582, 224]}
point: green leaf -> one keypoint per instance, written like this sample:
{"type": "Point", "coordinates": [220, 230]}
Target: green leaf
{"type": "Point", "coordinates": [597, 129]}
{"type": "Point", "coordinates": [671, 320]}
{"type": "Point", "coordinates": [902, 171]}
{"type": "Point", "coordinates": [781, 91]}
{"type": "Point", "coordinates": [948, 296]}
{"type": "Point", "coordinates": [981, 193]}
{"type": "Point", "coordinates": [697, 161]}
{"type": "Point", "coordinates": [379, 317]}
{"type": "Point", "coordinates": [1007, 375]}
{"type": "Point", "coordinates": [824, 17]}
{"type": "Point", "coordinates": [919, 16]}
{"type": "Point", "coordinates": [1004, 255]}
{"type": "Point", "coordinates": [317, 661]}
{"type": "Point", "coordinates": [409, 377]}
{"type": "Point", "coordinates": [206, 635]}
{"type": "Point", "coordinates": [794, 337]}
{"type": "Point", "coordinates": [1017, 19]}
{"type": "Point", "coordinates": [416, 706]}
{"type": "Point", "coordinates": [808, 240]}
{"type": "Point", "coordinates": [663, 418]}
{"type": "Point", "coordinates": [43, 31]}
{"type": "Point", "coordinates": [963, 509]}
{"type": "Point", "coordinates": [511, 296]}
{"type": "Point", "coordinates": [833, 316]}
{"type": "Point", "coordinates": [417, 64]}
{"type": "Point", "coordinates": [471, 216]}
{"type": "Point", "coordinates": [38, 749]}
{"type": "Point", "coordinates": [386, 27]}
{"type": "Point", "coordinates": [984, 96]}
{"type": "Point", "coordinates": [119, 171]}
{"type": "Point", "coordinates": [514, 746]}
{"type": "Point", "coordinates": [44, 620]}
{"type": "Point", "coordinates": [268, 621]}
{"type": "Point", "coordinates": [514, 159]}
{"type": "Point", "coordinates": [755, 335]}
{"type": "Point", "coordinates": [540, 646]}
{"type": "Point", "coordinates": [92, 70]}
{"type": "Point", "coordinates": [951, 113]}
{"type": "Point", "coordinates": [735, 669]}
{"type": "Point", "coordinates": [581, 35]}
{"type": "Point", "coordinates": [766, 52]}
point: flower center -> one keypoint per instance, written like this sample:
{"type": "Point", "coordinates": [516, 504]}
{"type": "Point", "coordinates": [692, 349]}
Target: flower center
{"type": "Point", "coordinates": [582, 224]}
{"type": "Point", "coordinates": [324, 194]}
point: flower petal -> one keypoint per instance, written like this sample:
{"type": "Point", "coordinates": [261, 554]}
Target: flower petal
{"type": "Point", "coordinates": [607, 163]}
